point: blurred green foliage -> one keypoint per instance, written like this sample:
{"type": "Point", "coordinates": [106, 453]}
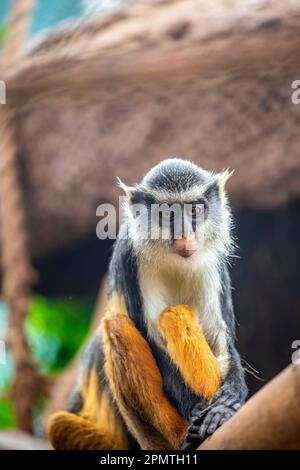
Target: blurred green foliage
{"type": "Point", "coordinates": [56, 329]}
{"type": "Point", "coordinates": [2, 33]}
{"type": "Point", "coordinates": [7, 419]}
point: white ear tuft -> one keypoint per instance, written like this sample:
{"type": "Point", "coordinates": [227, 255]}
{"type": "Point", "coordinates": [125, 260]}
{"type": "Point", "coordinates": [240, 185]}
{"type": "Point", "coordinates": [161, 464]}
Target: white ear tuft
{"type": "Point", "coordinates": [128, 190]}
{"type": "Point", "coordinates": [122, 185]}
{"type": "Point", "coordinates": [223, 178]}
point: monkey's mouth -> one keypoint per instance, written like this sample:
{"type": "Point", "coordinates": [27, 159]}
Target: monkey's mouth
{"type": "Point", "coordinates": [184, 247]}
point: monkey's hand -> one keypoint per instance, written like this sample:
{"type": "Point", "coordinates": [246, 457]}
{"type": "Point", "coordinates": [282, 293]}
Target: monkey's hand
{"type": "Point", "coordinates": [205, 422]}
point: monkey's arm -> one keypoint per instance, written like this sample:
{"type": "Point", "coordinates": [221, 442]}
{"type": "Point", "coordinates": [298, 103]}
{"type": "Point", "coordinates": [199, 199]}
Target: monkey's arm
{"type": "Point", "coordinates": [233, 392]}
{"type": "Point", "coordinates": [188, 349]}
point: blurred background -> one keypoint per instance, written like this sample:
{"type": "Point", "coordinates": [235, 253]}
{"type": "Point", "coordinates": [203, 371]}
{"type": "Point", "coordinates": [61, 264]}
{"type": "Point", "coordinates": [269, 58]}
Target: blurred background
{"type": "Point", "coordinates": [108, 88]}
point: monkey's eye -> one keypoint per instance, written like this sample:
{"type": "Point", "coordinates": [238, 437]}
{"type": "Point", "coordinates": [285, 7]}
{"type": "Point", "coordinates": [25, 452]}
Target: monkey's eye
{"type": "Point", "coordinates": [196, 211]}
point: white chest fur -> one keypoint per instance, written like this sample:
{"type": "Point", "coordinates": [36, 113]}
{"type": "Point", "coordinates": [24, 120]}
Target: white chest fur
{"type": "Point", "coordinates": [195, 283]}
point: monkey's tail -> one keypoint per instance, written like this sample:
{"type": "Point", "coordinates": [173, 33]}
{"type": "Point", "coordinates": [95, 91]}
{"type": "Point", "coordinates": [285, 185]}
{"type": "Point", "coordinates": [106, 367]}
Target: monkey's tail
{"type": "Point", "coordinates": [67, 431]}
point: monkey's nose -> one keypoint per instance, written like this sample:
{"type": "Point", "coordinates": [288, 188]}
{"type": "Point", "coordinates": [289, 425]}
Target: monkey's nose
{"type": "Point", "coordinates": [185, 246]}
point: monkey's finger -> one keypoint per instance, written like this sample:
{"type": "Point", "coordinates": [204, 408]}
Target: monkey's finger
{"type": "Point", "coordinates": [214, 424]}
{"type": "Point", "coordinates": [192, 440]}
{"type": "Point", "coordinates": [193, 430]}
{"type": "Point", "coordinates": [199, 414]}
{"type": "Point", "coordinates": [227, 416]}
{"type": "Point", "coordinates": [211, 422]}
{"type": "Point", "coordinates": [229, 401]}
{"type": "Point", "coordinates": [198, 420]}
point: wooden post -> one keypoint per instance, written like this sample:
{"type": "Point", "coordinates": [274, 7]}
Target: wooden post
{"type": "Point", "coordinates": [270, 420]}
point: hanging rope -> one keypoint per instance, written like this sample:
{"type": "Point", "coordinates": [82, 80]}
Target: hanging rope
{"type": "Point", "coordinates": [16, 267]}
{"type": "Point", "coordinates": [19, 22]}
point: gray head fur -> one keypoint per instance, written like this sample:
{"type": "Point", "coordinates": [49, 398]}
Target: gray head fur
{"type": "Point", "coordinates": [180, 181]}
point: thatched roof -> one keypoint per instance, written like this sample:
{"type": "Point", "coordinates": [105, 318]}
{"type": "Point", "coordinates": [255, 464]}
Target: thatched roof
{"type": "Point", "coordinates": [210, 81]}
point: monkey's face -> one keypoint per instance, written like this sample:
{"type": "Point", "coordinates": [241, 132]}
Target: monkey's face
{"type": "Point", "coordinates": [179, 210]}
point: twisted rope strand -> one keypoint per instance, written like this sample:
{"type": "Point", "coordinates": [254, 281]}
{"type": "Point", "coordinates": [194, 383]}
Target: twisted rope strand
{"type": "Point", "coordinates": [18, 275]}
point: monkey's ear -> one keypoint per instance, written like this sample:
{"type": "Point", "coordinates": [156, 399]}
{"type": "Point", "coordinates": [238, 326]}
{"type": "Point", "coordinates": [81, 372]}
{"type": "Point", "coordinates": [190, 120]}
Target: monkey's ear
{"type": "Point", "coordinates": [222, 180]}
{"type": "Point", "coordinates": [128, 190]}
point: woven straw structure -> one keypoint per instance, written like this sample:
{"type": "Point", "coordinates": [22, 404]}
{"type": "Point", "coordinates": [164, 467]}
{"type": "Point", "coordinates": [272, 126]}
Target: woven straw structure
{"type": "Point", "coordinates": [210, 81]}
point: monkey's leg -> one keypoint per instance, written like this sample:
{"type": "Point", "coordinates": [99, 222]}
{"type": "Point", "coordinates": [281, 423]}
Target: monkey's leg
{"type": "Point", "coordinates": [137, 386]}
{"type": "Point", "coordinates": [94, 422]}
{"type": "Point", "coordinates": [67, 431]}
{"type": "Point", "coordinates": [189, 350]}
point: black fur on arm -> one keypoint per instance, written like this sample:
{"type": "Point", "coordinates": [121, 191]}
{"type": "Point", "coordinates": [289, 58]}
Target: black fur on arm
{"type": "Point", "coordinates": [233, 392]}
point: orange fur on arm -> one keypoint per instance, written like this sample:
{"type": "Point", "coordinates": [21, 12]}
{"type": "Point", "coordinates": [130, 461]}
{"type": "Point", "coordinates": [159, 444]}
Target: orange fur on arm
{"type": "Point", "coordinates": [189, 350]}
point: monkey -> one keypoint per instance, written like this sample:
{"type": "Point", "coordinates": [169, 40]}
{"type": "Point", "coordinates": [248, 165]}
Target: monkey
{"type": "Point", "coordinates": [162, 370]}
